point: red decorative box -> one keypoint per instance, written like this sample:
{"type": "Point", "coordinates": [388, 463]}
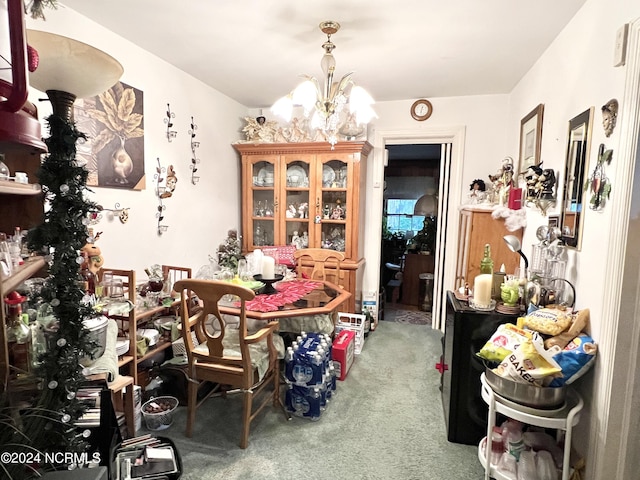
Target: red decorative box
{"type": "Point", "coordinates": [343, 352]}
{"type": "Point", "coordinates": [515, 198]}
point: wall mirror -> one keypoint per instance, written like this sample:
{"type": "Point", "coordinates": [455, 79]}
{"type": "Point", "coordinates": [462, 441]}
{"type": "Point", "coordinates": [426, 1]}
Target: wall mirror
{"type": "Point", "coordinates": [578, 147]}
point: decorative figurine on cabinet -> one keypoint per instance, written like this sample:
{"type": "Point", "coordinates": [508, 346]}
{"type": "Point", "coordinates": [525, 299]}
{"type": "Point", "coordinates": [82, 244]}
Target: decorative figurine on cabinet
{"type": "Point", "coordinates": [296, 241]}
{"type": "Point", "coordinates": [291, 211]}
{"type": "Point", "coordinates": [477, 191]}
{"type": "Point", "coordinates": [303, 210]}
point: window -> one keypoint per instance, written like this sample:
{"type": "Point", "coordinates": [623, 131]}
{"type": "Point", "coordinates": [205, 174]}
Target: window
{"type": "Point", "coordinates": [400, 217]}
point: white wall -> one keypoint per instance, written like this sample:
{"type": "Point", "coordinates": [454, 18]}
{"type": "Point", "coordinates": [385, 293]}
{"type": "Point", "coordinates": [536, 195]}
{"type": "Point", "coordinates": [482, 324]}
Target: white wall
{"type": "Point", "coordinates": [198, 215]}
{"type": "Point", "coordinates": [483, 119]}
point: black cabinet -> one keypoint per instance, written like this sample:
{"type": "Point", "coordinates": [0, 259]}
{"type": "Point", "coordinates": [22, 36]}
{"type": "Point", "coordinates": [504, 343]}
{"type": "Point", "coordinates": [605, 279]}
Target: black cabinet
{"type": "Point", "coordinates": [466, 331]}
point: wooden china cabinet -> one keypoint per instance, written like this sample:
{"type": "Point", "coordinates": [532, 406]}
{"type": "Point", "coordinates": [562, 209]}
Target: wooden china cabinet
{"type": "Point", "coordinates": [21, 205]}
{"type": "Point", "coordinates": [308, 195]}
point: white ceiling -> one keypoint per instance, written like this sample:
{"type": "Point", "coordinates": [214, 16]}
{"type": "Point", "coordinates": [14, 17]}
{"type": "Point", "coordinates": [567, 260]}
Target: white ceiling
{"type": "Point", "coordinates": [254, 50]}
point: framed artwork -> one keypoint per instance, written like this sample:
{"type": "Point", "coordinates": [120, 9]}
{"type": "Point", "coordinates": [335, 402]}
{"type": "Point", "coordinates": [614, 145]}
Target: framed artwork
{"type": "Point", "coordinates": [554, 221]}
{"type": "Point", "coordinates": [530, 139]}
{"type": "Point", "coordinates": [114, 125]}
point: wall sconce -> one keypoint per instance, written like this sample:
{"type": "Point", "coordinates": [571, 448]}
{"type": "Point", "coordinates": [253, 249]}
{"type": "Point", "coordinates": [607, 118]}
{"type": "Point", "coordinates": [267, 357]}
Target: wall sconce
{"type": "Point", "coordinates": [95, 216]}
{"type": "Point", "coordinates": [161, 193]}
{"type": "Point", "coordinates": [171, 134]}
{"type": "Point", "coordinates": [194, 160]}
{"type": "Point", "coordinates": [118, 212]}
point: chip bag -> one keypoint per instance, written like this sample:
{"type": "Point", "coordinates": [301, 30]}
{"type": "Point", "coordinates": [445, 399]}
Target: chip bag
{"type": "Point", "coordinates": [503, 342]}
{"type": "Point", "coordinates": [549, 321]}
{"type": "Point", "coordinates": [530, 363]}
{"type": "Point", "coordinates": [575, 359]}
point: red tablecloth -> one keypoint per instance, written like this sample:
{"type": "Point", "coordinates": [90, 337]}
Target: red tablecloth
{"type": "Point", "coordinates": [288, 292]}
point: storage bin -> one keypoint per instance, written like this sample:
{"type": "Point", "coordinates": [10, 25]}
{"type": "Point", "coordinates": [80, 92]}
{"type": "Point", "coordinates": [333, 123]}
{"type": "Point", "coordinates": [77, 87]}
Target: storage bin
{"type": "Point", "coordinates": [355, 323]}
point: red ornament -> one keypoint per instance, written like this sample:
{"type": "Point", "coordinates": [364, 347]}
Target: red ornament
{"type": "Point", "coordinates": [33, 59]}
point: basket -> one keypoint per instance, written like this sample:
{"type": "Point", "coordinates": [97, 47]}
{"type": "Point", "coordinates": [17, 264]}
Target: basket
{"type": "Point", "coordinates": [355, 323]}
{"type": "Point", "coordinates": [160, 420]}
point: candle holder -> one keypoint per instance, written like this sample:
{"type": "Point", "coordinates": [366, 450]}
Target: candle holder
{"type": "Point", "coordinates": [268, 283]}
{"type": "Point", "coordinates": [482, 308]}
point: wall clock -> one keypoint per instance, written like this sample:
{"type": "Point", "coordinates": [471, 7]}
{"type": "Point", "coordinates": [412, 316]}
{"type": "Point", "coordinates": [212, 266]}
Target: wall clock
{"type": "Point", "coordinates": [421, 109]}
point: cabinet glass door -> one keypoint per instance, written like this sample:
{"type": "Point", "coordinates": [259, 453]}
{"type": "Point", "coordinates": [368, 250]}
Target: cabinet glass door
{"type": "Point", "coordinates": [298, 209]}
{"type": "Point", "coordinates": [335, 204]}
{"type": "Point", "coordinates": [263, 203]}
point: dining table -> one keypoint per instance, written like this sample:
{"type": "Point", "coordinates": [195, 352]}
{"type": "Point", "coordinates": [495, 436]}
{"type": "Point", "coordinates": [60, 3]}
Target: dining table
{"type": "Point", "coordinates": [298, 305]}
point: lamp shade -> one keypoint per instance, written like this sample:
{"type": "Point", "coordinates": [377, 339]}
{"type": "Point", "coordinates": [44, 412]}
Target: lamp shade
{"type": "Point", "coordinates": [426, 206]}
{"type": "Point", "coordinates": [70, 66]}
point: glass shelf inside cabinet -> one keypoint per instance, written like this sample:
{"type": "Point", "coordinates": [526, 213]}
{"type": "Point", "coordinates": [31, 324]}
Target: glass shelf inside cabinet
{"type": "Point", "coordinates": [263, 174]}
{"type": "Point", "coordinates": [334, 174]}
{"type": "Point", "coordinates": [297, 204]}
{"type": "Point", "coordinates": [333, 236]}
{"type": "Point", "coordinates": [263, 205]}
{"type": "Point", "coordinates": [334, 205]}
{"type": "Point", "coordinates": [298, 175]}
{"type": "Point", "coordinates": [262, 232]}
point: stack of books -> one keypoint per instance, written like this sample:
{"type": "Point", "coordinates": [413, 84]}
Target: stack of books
{"type": "Point", "coordinates": [146, 458]}
{"type": "Point", "coordinates": [90, 396]}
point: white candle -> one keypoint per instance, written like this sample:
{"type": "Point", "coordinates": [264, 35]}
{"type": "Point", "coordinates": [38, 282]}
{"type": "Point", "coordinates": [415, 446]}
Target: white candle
{"type": "Point", "coordinates": [268, 267]}
{"type": "Point", "coordinates": [482, 290]}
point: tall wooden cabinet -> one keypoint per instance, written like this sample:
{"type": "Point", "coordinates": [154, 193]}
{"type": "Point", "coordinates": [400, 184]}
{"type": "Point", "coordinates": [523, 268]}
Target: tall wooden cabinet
{"type": "Point", "coordinates": [477, 228]}
{"type": "Point", "coordinates": [20, 206]}
{"type": "Point", "coordinates": [309, 195]}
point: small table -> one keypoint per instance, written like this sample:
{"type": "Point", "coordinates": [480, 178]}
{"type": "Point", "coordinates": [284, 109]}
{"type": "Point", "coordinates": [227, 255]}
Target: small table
{"type": "Point", "coordinates": [320, 298]}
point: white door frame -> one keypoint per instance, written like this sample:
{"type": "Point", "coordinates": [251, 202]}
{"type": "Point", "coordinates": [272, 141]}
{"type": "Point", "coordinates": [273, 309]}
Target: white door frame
{"type": "Point", "coordinates": [614, 443]}
{"type": "Point", "coordinates": [454, 135]}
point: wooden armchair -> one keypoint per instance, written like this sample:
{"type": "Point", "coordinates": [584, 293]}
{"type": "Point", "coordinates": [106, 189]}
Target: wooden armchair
{"type": "Point", "coordinates": [324, 264]}
{"type": "Point", "coordinates": [225, 355]}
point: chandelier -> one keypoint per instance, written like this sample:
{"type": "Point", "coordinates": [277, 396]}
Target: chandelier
{"type": "Point", "coordinates": [327, 102]}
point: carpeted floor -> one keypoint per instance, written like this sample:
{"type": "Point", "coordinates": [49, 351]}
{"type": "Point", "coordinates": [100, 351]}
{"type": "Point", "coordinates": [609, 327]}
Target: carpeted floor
{"type": "Point", "coordinates": [386, 422]}
{"type": "Point", "coordinates": [396, 312]}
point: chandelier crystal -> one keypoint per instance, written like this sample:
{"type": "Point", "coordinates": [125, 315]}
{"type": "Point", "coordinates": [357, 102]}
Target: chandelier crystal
{"type": "Point", "coordinates": [326, 103]}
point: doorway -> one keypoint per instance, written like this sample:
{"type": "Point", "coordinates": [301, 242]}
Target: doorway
{"type": "Point", "coordinates": [409, 212]}
{"type": "Point", "coordinates": [451, 140]}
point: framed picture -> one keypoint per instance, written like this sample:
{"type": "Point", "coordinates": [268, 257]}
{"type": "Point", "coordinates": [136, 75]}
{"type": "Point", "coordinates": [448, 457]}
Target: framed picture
{"type": "Point", "coordinates": [114, 124]}
{"type": "Point", "coordinates": [554, 221]}
{"type": "Point", "coordinates": [530, 139]}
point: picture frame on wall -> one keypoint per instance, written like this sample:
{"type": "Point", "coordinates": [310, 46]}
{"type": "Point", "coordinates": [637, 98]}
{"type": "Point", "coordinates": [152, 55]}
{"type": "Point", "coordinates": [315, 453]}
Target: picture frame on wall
{"type": "Point", "coordinates": [530, 139]}
{"type": "Point", "coordinates": [554, 221]}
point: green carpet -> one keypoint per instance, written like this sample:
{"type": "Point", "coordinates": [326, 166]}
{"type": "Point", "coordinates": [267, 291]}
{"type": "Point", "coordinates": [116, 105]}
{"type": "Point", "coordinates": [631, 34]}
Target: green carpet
{"type": "Point", "coordinates": [386, 422]}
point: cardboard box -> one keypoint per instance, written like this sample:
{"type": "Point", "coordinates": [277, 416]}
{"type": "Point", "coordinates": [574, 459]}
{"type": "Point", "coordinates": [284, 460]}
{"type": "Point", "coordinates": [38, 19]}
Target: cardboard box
{"type": "Point", "coordinates": [343, 352]}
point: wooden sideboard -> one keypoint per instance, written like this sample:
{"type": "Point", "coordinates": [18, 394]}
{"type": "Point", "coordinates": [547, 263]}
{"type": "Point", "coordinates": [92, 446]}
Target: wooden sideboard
{"type": "Point", "coordinates": [477, 228]}
{"type": "Point", "coordinates": [414, 265]}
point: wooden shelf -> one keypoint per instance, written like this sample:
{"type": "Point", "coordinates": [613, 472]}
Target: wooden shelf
{"type": "Point", "coordinates": [159, 347]}
{"type": "Point", "coordinates": [31, 266]}
{"type": "Point", "coordinates": [124, 360]}
{"type": "Point", "coordinates": [13, 188]}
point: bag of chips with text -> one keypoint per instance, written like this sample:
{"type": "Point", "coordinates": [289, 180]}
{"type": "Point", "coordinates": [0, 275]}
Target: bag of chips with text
{"type": "Point", "coordinates": [504, 341]}
{"type": "Point", "coordinates": [575, 359]}
{"type": "Point", "coordinates": [530, 363]}
{"type": "Point", "coordinates": [549, 321]}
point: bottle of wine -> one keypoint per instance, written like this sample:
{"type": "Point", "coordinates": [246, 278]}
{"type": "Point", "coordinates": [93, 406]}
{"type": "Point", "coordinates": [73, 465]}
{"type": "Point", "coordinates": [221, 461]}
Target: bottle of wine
{"type": "Point", "coordinates": [486, 264]}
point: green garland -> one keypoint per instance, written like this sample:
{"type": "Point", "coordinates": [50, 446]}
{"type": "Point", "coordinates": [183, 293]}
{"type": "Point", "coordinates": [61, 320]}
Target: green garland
{"type": "Point", "coordinates": [48, 426]}
{"type": "Point", "coordinates": [35, 8]}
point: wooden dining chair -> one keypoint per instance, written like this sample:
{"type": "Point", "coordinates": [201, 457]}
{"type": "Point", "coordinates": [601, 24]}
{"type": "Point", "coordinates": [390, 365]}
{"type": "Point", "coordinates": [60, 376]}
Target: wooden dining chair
{"type": "Point", "coordinates": [172, 274]}
{"type": "Point", "coordinates": [323, 263]}
{"type": "Point", "coordinates": [225, 355]}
